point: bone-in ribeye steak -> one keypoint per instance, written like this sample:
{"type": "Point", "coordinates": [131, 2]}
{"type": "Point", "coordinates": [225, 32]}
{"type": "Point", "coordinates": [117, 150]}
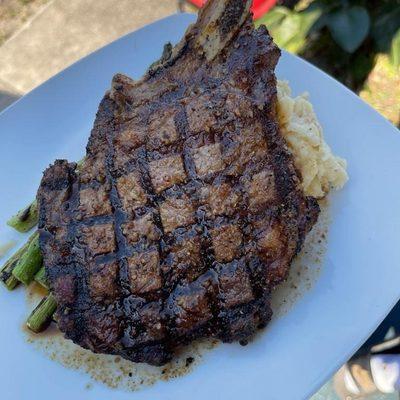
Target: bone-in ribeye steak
{"type": "Point", "coordinates": [187, 209]}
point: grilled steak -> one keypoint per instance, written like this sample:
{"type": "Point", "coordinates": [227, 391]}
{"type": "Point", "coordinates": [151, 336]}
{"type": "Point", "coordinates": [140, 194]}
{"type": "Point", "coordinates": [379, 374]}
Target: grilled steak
{"type": "Point", "coordinates": [187, 209]}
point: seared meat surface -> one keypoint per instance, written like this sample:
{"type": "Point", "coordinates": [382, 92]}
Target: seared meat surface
{"type": "Point", "coordinates": [187, 210]}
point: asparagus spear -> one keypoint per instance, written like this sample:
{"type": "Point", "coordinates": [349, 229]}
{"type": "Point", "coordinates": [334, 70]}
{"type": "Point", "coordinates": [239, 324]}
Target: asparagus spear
{"type": "Point", "coordinates": [40, 277]}
{"type": "Point", "coordinates": [42, 315]}
{"type": "Point", "coordinates": [6, 275]}
{"type": "Point", "coordinates": [26, 218]}
{"type": "Point", "coordinates": [30, 262]}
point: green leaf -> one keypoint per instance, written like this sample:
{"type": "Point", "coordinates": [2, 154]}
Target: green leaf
{"type": "Point", "coordinates": [324, 8]}
{"type": "Point", "coordinates": [283, 24]}
{"type": "Point", "coordinates": [349, 27]}
{"type": "Point", "coordinates": [395, 50]}
{"type": "Point", "coordinates": [385, 27]}
{"type": "Point", "coordinates": [294, 29]}
{"type": "Point", "coordinates": [295, 45]}
{"type": "Point", "coordinates": [289, 28]}
{"type": "Point", "coordinates": [273, 17]}
{"type": "Point", "coordinates": [311, 15]}
{"type": "Point", "coordinates": [297, 28]}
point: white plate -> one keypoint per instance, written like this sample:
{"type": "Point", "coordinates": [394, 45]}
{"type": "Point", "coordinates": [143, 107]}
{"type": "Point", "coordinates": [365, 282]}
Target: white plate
{"type": "Point", "coordinates": [360, 277]}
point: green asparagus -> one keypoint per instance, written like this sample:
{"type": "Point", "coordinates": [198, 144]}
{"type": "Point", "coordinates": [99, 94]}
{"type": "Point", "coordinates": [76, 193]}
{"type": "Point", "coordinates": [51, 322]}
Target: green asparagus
{"type": "Point", "coordinates": [6, 275]}
{"type": "Point", "coordinates": [29, 263]}
{"type": "Point", "coordinates": [11, 283]}
{"type": "Point", "coordinates": [42, 315]}
{"type": "Point", "coordinates": [40, 277]}
{"type": "Point", "coordinates": [26, 218]}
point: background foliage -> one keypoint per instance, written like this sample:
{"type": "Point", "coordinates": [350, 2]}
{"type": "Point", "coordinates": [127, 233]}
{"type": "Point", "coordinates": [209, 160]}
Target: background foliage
{"type": "Point", "coordinates": [341, 36]}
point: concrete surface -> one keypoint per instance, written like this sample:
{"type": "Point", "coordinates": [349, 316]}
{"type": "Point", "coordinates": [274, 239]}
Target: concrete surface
{"type": "Point", "coordinates": [66, 30]}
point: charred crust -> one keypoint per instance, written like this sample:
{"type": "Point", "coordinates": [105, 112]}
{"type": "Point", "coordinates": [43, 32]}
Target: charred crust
{"type": "Point", "coordinates": [187, 206]}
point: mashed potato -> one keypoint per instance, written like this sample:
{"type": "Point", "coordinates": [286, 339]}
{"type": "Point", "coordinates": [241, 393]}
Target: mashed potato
{"type": "Point", "coordinates": [320, 169]}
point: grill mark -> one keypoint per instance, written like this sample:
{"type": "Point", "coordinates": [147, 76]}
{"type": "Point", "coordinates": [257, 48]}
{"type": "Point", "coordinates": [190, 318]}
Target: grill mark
{"type": "Point", "coordinates": [81, 284]}
{"type": "Point", "coordinates": [182, 127]}
{"type": "Point", "coordinates": [97, 220]}
{"type": "Point", "coordinates": [209, 263]}
{"type": "Point", "coordinates": [119, 217]}
{"type": "Point", "coordinates": [117, 213]}
{"type": "Point", "coordinates": [105, 258]}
